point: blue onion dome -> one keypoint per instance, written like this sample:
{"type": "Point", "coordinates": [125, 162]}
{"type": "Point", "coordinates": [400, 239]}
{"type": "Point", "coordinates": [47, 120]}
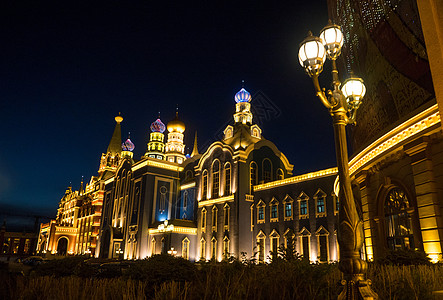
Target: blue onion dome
{"type": "Point", "coordinates": [158, 126]}
{"type": "Point", "coordinates": [242, 96]}
{"type": "Point", "coordinates": [128, 145]}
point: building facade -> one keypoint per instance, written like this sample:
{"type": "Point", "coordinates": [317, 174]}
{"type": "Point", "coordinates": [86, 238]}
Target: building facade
{"type": "Point", "coordinates": [398, 144]}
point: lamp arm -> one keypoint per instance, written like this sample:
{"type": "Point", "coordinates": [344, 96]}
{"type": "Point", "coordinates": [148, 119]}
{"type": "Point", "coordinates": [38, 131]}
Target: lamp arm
{"type": "Point", "coordinates": [320, 93]}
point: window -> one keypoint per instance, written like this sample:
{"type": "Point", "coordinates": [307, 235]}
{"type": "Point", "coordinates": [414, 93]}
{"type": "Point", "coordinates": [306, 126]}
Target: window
{"type": "Point", "coordinates": [226, 247]}
{"type": "Point", "coordinates": [303, 205]}
{"type": "Point", "coordinates": [227, 212]}
{"type": "Point", "coordinates": [213, 248]}
{"type": "Point", "coordinates": [203, 249]}
{"type": "Point", "coordinates": [215, 179]}
{"type": "Point", "coordinates": [336, 203]}
{"type": "Point", "coordinates": [261, 212]}
{"type": "Point", "coordinates": [153, 246]}
{"type": "Point", "coordinates": [280, 174]}
{"type": "Point", "coordinates": [305, 239]}
{"type": "Point", "coordinates": [261, 246]}
{"type": "Point", "coordinates": [253, 174]}
{"type": "Point", "coordinates": [274, 238]}
{"type": "Point", "coordinates": [227, 179]}
{"type": "Point", "coordinates": [320, 204]}
{"type": "Point", "coordinates": [185, 248]}
{"type": "Point", "coordinates": [398, 220]}
{"type": "Point", "coordinates": [267, 170]}
{"type": "Point", "coordinates": [214, 218]}
{"type": "Point", "coordinates": [203, 220]}
{"type": "Point", "coordinates": [205, 185]}
{"type": "Point", "coordinates": [274, 210]}
{"type": "Point", "coordinates": [288, 210]}
{"type": "Point", "coordinates": [322, 243]}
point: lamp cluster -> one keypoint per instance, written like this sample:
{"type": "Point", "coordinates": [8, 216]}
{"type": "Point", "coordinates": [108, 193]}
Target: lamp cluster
{"type": "Point", "coordinates": [312, 55]}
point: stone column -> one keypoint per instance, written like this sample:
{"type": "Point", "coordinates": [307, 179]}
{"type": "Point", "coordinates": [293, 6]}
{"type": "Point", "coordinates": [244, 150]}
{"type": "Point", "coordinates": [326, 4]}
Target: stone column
{"type": "Point", "coordinates": [431, 224]}
{"type": "Point", "coordinates": [369, 211]}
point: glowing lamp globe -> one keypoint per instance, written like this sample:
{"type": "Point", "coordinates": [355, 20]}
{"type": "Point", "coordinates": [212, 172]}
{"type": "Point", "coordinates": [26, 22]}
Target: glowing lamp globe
{"type": "Point", "coordinates": [312, 55]}
{"type": "Point", "coordinates": [354, 90]}
{"type": "Point", "coordinates": [332, 39]}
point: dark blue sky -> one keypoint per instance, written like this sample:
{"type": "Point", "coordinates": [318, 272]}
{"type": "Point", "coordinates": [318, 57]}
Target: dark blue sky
{"type": "Point", "coordinates": [67, 69]}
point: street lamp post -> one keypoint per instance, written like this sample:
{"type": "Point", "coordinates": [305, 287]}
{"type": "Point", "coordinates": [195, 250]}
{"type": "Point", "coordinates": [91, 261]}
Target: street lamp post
{"type": "Point", "coordinates": [342, 104]}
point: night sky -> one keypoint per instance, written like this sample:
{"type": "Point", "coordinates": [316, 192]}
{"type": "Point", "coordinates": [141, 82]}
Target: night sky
{"type": "Point", "coordinates": [67, 69]}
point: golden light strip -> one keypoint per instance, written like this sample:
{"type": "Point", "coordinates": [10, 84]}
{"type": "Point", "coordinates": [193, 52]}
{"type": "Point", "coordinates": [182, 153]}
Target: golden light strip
{"type": "Point", "coordinates": [186, 186]}
{"type": "Point", "coordinates": [108, 181]}
{"type": "Point", "coordinates": [295, 179]}
{"type": "Point", "coordinates": [413, 126]}
{"type": "Point", "coordinates": [229, 198]}
{"type": "Point", "coordinates": [177, 229]}
{"type": "Point", "coordinates": [157, 164]}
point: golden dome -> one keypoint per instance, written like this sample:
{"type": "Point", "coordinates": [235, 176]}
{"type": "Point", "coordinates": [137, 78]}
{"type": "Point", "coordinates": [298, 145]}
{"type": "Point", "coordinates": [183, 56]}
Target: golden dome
{"type": "Point", "coordinates": [176, 125]}
{"type": "Point", "coordinates": [118, 118]}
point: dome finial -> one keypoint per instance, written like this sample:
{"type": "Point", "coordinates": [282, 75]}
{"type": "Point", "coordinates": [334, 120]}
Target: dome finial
{"type": "Point", "coordinates": [158, 126]}
{"type": "Point", "coordinates": [242, 95]}
{"type": "Point", "coordinates": [242, 83]}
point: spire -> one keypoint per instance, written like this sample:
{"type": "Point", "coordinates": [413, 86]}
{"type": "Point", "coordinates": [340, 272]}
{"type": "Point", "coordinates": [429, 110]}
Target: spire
{"type": "Point", "coordinates": [116, 140]}
{"type": "Point", "coordinates": [81, 187]}
{"type": "Point", "coordinates": [195, 149]}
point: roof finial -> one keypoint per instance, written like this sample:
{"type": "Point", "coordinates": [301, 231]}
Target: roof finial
{"type": "Point", "coordinates": [158, 114]}
{"type": "Point", "coordinates": [243, 83]}
{"type": "Point", "coordinates": [129, 134]}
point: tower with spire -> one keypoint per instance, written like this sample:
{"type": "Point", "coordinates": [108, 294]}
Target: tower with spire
{"type": "Point", "coordinates": [156, 145]}
{"type": "Point", "coordinates": [175, 148]}
{"type": "Point", "coordinates": [110, 160]}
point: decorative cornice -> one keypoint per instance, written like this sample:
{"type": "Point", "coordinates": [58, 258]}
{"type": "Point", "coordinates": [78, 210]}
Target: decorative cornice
{"type": "Point", "coordinates": [229, 198]}
{"type": "Point", "coordinates": [397, 136]}
{"type": "Point", "coordinates": [296, 179]}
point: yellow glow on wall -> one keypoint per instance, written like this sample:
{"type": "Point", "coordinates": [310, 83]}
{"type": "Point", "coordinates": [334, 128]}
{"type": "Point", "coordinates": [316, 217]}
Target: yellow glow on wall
{"type": "Point", "coordinates": [187, 186]}
{"type": "Point", "coordinates": [176, 229]}
{"type": "Point", "coordinates": [159, 164]}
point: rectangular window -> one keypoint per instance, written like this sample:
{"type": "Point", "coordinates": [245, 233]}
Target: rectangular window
{"type": "Point", "coordinates": [203, 219]}
{"type": "Point", "coordinates": [303, 207]}
{"type": "Point", "coordinates": [203, 249]}
{"type": "Point", "coordinates": [215, 185]}
{"type": "Point", "coordinates": [227, 181]}
{"type": "Point", "coordinates": [323, 245]}
{"type": "Point", "coordinates": [261, 250]}
{"type": "Point", "coordinates": [305, 242]}
{"type": "Point", "coordinates": [214, 219]}
{"type": "Point", "coordinates": [288, 210]}
{"type": "Point", "coordinates": [321, 205]}
{"type": "Point", "coordinates": [205, 186]}
{"type": "Point", "coordinates": [274, 212]}
{"type": "Point", "coordinates": [261, 213]}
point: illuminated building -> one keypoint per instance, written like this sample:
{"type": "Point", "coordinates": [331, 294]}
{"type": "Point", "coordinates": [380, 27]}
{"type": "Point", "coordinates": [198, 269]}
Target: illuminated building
{"type": "Point", "coordinates": [398, 144]}
{"type": "Point", "coordinates": [199, 206]}
{"type": "Point", "coordinates": [76, 228]}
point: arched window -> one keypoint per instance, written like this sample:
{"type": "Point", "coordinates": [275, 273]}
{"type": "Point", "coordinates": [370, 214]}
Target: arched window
{"type": "Point", "coordinates": [227, 179]}
{"type": "Point", "coordinates": [267, 170]}
{"type": "Point", "coordinates": [253, 174]}
{"type": "Point", "coordinates": [280, 174]}
{"type": "Point", "coordinates": [203, 249]}
{"type": "Point", "coordinates": [185, 248]}
{"type": "Point", "coordinates": [215, 179]}
{"type": "Point", "coordinates": [189, 174]}
{"type": "Point", "coordinates": [398, 220]}
{"type": "Point", "coordinates": [213, 248]}
{"type": "Point", "coordinates": [205, 185]}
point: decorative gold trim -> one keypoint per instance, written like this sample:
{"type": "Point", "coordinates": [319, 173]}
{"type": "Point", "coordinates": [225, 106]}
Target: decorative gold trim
{"type": "Point", "coordinates": [158, 163]}
{"type": "Point", "coordinates": [295, 179]}
{"type": "Point", "coordinates": [176, 229]}
{"type": "Point", "coordinates": [187, 186]}
{"type": "Point", "coordinates": [229, 198]}
{"type": "Point", "coordinates": [399, 134]}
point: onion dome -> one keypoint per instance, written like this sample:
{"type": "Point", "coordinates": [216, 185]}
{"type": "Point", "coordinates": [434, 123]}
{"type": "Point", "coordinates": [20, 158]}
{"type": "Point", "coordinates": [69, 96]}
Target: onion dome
{"type": "Point", "coordinates": [128, 145]}
{"type": "Point", "coordinates": [242, 96]}
{"type": "Point", "coordinates": [158, 126]}
{"type": "Point", "coordinates": [176, 125]}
